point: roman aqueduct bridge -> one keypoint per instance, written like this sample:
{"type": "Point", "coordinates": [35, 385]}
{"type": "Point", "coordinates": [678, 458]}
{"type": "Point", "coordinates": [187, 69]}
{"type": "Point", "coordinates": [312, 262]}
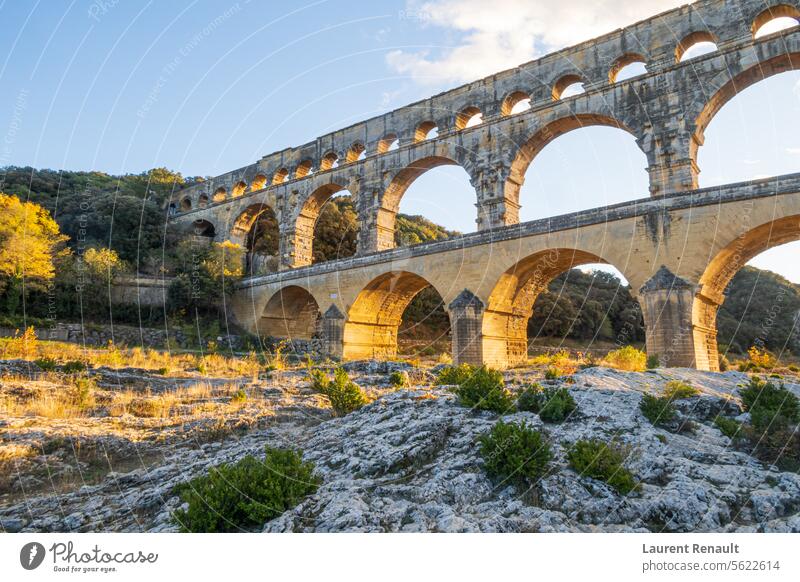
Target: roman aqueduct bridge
{"type": "Point", "coordinates": [678, 247]}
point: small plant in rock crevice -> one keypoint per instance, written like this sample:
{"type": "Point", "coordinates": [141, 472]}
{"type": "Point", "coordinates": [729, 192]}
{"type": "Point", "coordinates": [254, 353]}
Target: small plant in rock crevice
{"type": "Point", "coordinates": [485, 390]}
{"type": "Point", "coordinates": [604, 461]}
{"type": "Point", "coordinates": [344, 395]}
{"type": "Point", "coordinates": [551, 404]}
{"type": "Point", "coordinates": [515, 454]}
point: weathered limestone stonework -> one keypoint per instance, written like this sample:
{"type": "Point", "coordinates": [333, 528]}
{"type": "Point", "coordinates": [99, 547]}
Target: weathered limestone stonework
{"type": "Point", "coordinates": [697, 236]}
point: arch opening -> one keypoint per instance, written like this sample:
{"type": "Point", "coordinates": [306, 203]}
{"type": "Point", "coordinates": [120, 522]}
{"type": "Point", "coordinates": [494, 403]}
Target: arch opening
{"type": "Point", "coordinates": [388, 143]}
{"type": "Point", "coordinates": [599, 165]}
{"type": "Point", "coordinates": [468, 117]}
{"type": "Point", "coordinates": [568, 86]}
{"type": "Point", "coordinates": [731, 274]}
{"type": "Point", "coordinates": [304, 168]}
{"type": "Point", "coordinates": [373, 321]}
{"type": "Point", "coordinates": [335, 227]}
{"type": "Point", "coordinates": [329, 161]}
{"type": "Point", "coordinates": [746, 131]}
{"type": "Point", "coordinates": [186, 204]}
{"type": "Point", "coordinates": [202, 201]}
{"type": "Point", "coordinates": [425, 131]}
{"type": "Point", "coordinates": [280, 176]}
{"type": "Point", "coordinates": [694, 45]}
{"type": "Point", "coordinates": [356, 152]}
{"type": "Point", "coordinates": [256, 229]}
{"type": "Point", "coordinates": [258, 183]}
{"type": "Point", "coordinates": [513, 298]}
{"type": "Point", "coordinates": [291, 313]}
{"type": "Point", "coordinates": [220, 194]}
{"type": "Point", "coordinates": [626, 67]}
{"type": "Point", "coordinates": [201, 227]}
{"type": "Point", "coordinates": [238, 189]}
{"type": "Point", "coordinates": [775, 19]}
{"type": "Point", "coordinates": [514, 103]}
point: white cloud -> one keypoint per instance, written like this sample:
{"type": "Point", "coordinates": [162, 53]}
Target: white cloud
{"type": "Point", "coordinates": [500, 34]}
{"type": "Point", "coordinates": [751, 162]}
{"type": "Point", "coordinates": [793, 151]}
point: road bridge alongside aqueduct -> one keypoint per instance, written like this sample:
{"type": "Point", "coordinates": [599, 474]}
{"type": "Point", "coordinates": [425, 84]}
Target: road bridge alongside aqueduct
{"type": "Point", "coordinates": [678, 249]}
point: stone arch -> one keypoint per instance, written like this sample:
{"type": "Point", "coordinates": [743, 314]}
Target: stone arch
{"type": "Point", "coordinates": [719, 272]}
{"type": "Point", "coordinates": [242, 225]}
{"type": "Point", "coordinates": [386, 142]}
{"type": "Point", "coordinates": [622, 62]}
{"type": "Point", "coordinates": [329, 161]}
{"type": "Point", "coordinates": [467, 116]}
{"type": "Point", "coordinates": [355, 152]}
{"type": "Point", "coordinates": [692, 39]}
{"type": "Point", "coordinates": [202, 227]}
{"type": "Point", "coordinates": [258, 183]}
{"type": "Point", "coordinates": [304, 168]}
{"type": "Point", "coordinates": [238, 189]}
{"type": "Point", "coordinates": [186, 204]}
{"type": "Point", "coordinates": [423, 130]}
{"type": "Point", "coordinates": [370, 330]}
{"type": "Point", "coordinates": [773, 12]}
{"type": "Point", "coordinates": [726, 86]}
{"type": "Point", "coordinates": [563, 83]}
{"type": "Point", "coordinates": [220, 194]}
{"type": "Point", "coordinates": [542, 137]}
{"type": "Point", "coordinates": [291, 313]}
{"type": "Point", "coordinates": [202, 201]}
{"type": "Point", "coordinates": [280, 176]}
{"type": "Point", "coordinates": [511, 100]}
{"type": "Point", "coordinates": [510, 304]}
{"type": "Point", "coordinates": [303, 236]}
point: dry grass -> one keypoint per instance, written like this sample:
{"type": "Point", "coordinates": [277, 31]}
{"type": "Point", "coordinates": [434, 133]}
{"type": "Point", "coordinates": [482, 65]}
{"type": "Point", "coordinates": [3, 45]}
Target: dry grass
{"type": "Point", "coordinates": [27, 347]}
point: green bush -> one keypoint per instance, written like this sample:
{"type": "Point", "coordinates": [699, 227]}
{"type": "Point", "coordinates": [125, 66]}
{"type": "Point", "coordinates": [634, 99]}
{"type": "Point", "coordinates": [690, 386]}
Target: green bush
{"type": "Point", "coordinates": [398, 379]}
{"type": "Point", "coordinates": [599, 460]}
{"type": "Point", "coordinates": [727, 426]}
{"type": "Point", "coordinates": [83, 392]}
{"type": "Point", "coordinates": [658, 410]}
{"type": "Point", "coordinates": [515, 453]}
{"type": "Point", "coordinates": [770, 406]}
{"type": "Point", "coordinates": [485, 390]}
{"type": "Point", "coordinates": [245, 495]}
{"type": "Point", "coordinates": [46, 364]}
{"type": "Point", "coordinates": [678, 390]}
{"type": "Point", "coordinates": [454, 375]}
{"type": "Point", "coordinates": [239, 397]}
{"type": "Point", "coordinates": [793, 368]}
{"type": "Point", "coordinates": [551, 404]}
{"type": "Point", "coordinates": [344, 395]}
{"type": "Point", "coordinates": [552, 373]}
{"type": "Point", "coordinates": [73, 367]}
{"type": "Point", "coordinates": [653, 362]}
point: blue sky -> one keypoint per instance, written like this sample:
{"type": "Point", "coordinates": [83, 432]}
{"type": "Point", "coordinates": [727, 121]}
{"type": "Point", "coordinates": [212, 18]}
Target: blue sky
{"type": "Point", "coordinates": [205, 87]}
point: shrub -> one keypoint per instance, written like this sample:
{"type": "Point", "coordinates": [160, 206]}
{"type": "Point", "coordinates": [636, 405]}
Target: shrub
{"type": "Point", "coordinates": [770, 406]}
{"type": "Point", "coordinates": [552, 373]}
{"type": "Point", "coordinates": [627, 358]}
{"type": "Point", "coordinates": [485, 390]}
{"type": "Point", "coordinates": [83, 392]}
{"type": "Point", "coordinates": [658, 410]}
{"type": "Point", "coordinates": [515, 453]}
{"type": "Point", "coordinates": [454, 375]}
{"type": "Point", "coordinates": [552, 404]}
{"type": "Point", "coordinates": [679, 390]}
{"type": "Point", "coordinates": [398, 379]}
{"type": "Point", "coordinates": [46, 364]}
{"type": "Point", "coordinates": [653, 362]}
{"type": "Point", "coordinates": [761, 358]}
{"type": "Point", "coordinates": [239, 397]}
{"type": "Point", "coordinates": [73, 367]}
{"type": "Point", "coordinates": [246, 494]}
{"type": "Point", "coordinates": [344, 395]}
{"type": "Point", "coordinates": [604, 461]}
{"type": "Point", "coordinates": [793, 368]}
{"type": "Point", "coordinates": [724, 364]}
{"type": "Point", "coordinates": [727, 426]}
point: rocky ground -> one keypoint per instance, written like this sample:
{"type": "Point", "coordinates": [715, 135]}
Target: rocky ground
{"type": "Point", "coordinates": [406, 462]}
